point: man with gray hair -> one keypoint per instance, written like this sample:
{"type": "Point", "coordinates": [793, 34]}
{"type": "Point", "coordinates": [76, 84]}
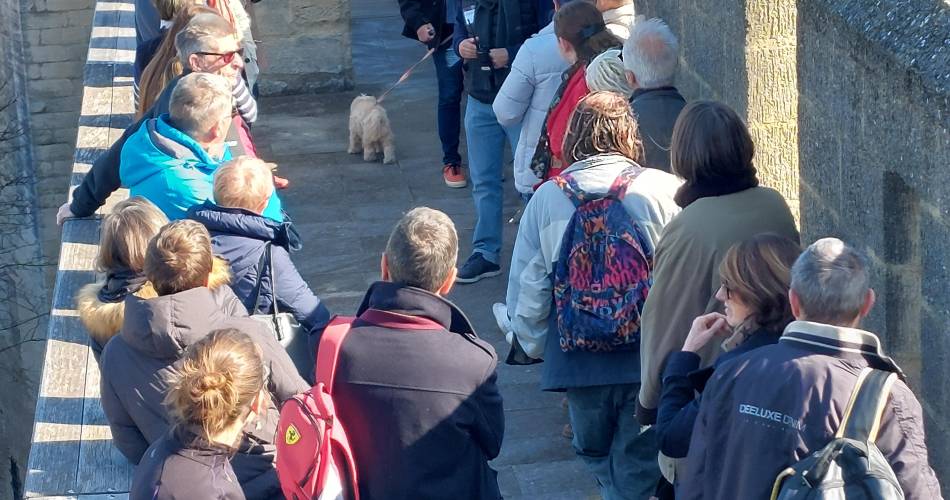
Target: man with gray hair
{"type": "Point", "coordinates": [770, 408]}
{"type": "Point", "coordinates": [171, 159]}
{"type": "Point", "coordinates": [210, 45]}
{"type": "Point", "coordinates": [415, 387]}
{"type": "Point", "coordinates": [650, 57]}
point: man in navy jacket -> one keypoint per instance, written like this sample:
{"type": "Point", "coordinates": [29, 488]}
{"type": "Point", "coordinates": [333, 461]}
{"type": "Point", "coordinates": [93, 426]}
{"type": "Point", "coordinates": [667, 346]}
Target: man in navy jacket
{"type": "Point", "coordinates": [771, 407]}
{"type": "Point", "coordinates": [415, 387]}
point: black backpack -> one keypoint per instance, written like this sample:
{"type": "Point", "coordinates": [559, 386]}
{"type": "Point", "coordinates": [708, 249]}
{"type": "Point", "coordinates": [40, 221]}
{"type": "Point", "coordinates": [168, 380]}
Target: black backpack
{"type": "Point", "coordinates": [850, 466]}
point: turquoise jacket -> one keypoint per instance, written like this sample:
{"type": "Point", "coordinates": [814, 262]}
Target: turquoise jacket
{"type": "Point", "coordinates": [170, 169]}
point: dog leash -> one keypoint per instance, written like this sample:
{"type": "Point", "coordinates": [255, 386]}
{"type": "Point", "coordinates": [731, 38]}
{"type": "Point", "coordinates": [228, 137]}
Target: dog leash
{"type": "Point", "coordinates": [405, 76]}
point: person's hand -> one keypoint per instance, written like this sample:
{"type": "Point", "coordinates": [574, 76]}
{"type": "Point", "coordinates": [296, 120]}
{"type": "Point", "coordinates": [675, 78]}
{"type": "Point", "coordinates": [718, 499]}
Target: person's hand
{"type": "Point", "coordinates": [467, 49]}
{"type": "Point", "coordinates": [704, 329]}
{"type": "Point", "coordinates": [64, 213]}
{"type": "Point", "coordinates": [499, 57]}
{"type": "Point", "coordinates": [425, 33]}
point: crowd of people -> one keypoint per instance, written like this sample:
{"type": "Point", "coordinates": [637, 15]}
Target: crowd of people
{"type": "Point", "coordinates": [702, 352]}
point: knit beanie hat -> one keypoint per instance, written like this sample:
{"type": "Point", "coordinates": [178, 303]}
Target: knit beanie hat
{"type": "Point", "coordinates": [606, 73]}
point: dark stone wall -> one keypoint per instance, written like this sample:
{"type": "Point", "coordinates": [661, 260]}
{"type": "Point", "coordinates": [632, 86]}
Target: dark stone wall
{"type": "Point", "coordinates": [874, 143]}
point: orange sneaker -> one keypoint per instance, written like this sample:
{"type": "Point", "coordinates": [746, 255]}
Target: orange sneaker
{"type": "Point", "coordinates": [454, 178]}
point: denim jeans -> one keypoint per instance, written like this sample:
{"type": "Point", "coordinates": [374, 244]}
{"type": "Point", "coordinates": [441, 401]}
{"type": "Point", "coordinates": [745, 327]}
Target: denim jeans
{"type": "Point", "coordinates": [448, 71]}
{"type": "Point", "coordinates": [486, 154]}
{"type": "Point", "coordinates": [607, 437]}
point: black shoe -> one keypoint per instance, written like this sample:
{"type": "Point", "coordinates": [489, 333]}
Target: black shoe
{"type": "Point", "coordinates": [476, 268]}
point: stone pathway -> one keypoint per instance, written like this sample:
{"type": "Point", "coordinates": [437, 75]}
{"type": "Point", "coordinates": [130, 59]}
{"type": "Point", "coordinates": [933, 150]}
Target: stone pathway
{"type": "Point", "coordinates": [344, 209]}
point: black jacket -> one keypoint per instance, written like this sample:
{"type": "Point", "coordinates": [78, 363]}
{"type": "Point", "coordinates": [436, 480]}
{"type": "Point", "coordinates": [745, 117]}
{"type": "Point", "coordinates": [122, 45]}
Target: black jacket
{"type": "Point", "coordinates": [415, 390]}
{"type": "Point", "coordinates": [498, 24]}
{"type": "Point", "coordinates": [656, 111]}
{"type": "Point", "coordinates": [417, 13]}
{"type": "Point", "coordinates": [103, 178]}
{"type": "Point", "coordinates": [154, 335]}
{"type": "Point", "coordinates": [177, 466]}
{"type": "Point", "coordinates": [767, 409]}
{"type": "Point", "coordinates": [682, 379]}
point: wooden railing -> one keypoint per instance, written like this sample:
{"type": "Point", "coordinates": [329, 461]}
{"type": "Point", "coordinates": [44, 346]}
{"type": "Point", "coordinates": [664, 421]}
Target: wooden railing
{"type": "Point", "coordinates": [72, 454]}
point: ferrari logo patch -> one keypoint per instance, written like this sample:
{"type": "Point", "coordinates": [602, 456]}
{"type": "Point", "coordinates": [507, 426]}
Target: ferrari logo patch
{"type": "Point", "coordinates": [292, 435]}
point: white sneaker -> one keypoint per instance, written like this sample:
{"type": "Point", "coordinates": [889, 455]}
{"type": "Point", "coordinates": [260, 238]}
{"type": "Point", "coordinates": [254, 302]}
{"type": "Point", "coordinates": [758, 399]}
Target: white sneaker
{"type": "Point", "coordinates": [500, 311]}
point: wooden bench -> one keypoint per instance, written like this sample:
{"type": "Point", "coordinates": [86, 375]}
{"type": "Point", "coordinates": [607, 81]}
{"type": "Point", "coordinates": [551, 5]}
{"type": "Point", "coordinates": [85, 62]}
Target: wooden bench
{"type": "Point", "coordinates": [72, 454]}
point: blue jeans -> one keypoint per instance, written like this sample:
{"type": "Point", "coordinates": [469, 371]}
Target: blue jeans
{"type": "Point", "coordinates": [486, 154]}
{"type": "Point", "coordinates": [609, 440]}
{"type": "Point", "coordinates": [448, 71]}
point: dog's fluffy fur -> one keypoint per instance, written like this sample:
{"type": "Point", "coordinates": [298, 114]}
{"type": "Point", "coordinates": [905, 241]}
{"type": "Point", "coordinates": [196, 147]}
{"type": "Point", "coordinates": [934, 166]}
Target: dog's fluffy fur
{"type": "Point", "coordinates": [370, 131]}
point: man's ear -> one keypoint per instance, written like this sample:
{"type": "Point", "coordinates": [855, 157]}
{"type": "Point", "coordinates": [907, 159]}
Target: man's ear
{"type": "Point", "coordinates": [194, 63]}
{"type": "Point", "coordinates": [448, 283]}
{"type": "Point", "coordinates": [869, 300]}
{"type": "Point", "coordinates": [795, 303]}
{"type": "Point", "coordinates": [384, 267]}
{"type": "Point", "coordinates": [631, 78]}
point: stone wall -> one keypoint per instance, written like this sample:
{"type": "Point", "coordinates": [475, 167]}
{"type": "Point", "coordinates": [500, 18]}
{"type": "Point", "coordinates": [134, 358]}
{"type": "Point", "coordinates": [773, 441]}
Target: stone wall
{"type": "Point", "coordinates": [24, 300]}
{"type": "Point", "coordinates": [303, 46]}
{"type": "Point", "coordinates": [874, 143]}
{"type": "Point", "coordinates": [848, 104]}
{"type": "Point", "coordinates": [56, 37]}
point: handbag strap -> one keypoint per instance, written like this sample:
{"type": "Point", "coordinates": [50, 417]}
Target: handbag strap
{"type": "Point", "coordinates": [328, 353]}
{"type": "Point", "coordinates": [266, 262]}
{"type": "Point", "coordinates": [862, 417]}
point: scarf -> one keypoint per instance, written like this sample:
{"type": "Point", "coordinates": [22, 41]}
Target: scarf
{"type": "Point", "coordinates": [541, 161]}
{"type": "Point", "coordinates": [119, 284]}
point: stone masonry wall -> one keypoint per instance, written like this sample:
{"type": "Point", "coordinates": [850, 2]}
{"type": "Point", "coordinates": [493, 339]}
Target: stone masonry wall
{"type": "Point", "coordinates": [56, 38]}
{"type": "Point", "coordinates": [303, 45]}
{"type": "Point", "coordinates": [874, 143]}
{"type": "Point", "coordinates": [742, 52]}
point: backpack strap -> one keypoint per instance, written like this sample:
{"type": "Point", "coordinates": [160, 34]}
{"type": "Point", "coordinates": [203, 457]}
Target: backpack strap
{"type": "Point", "coordinates": [328, 354]}
{"type": "Point", "coordinates": [862, 417]}
{"type": "Point", "coordinates": [619, 188]}
{"type": "Point", "coordinates": [262, 263]}
{"type": "Point", "coordinates": [570, 188]}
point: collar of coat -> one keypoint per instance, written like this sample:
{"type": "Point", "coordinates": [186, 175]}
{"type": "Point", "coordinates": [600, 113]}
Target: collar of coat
{"type": "Point", "coordinates": [597, 161]}
{"type": "Point", "coordinates": [840, 342]}
{"type": "Point", "coordinates": [624, 13]}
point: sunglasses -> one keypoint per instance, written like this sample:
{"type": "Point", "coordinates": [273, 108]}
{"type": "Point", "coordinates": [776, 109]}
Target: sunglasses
{"type": "Point", "coordinates": [227, 57]}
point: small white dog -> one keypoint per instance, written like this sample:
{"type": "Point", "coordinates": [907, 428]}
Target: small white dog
{"type": "Point", "coordinates": [370, 131]}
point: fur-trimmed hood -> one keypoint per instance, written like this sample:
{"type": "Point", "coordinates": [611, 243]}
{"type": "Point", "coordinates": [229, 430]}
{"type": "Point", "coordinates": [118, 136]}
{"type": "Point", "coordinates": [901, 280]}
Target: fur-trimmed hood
{"type": "Point", "coordinates": [104, 319]}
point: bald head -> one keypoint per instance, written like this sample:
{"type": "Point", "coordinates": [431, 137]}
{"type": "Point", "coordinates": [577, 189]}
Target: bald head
{"type": "Point", "coordinates": [830, 283]}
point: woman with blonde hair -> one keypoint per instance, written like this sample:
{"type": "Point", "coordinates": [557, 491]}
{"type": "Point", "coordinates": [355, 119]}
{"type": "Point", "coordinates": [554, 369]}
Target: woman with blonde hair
{"type": "Point", "coordinates": [602, 147]}
{"type": "Point", "coordinates": [216, 389]}
{"type": "Point", "coordinates": [124, 237]}
{"type": "Point", "coordinates": [755, 277]}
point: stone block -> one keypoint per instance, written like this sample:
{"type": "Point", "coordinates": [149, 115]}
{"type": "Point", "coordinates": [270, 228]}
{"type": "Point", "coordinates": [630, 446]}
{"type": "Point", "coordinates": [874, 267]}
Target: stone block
{"type": "Point", "coordinates": [56, 53]}
{"type": "Point", "coordinates": [35, 20]}
{"type": "Point", "coordinates": [68, 5]}
{"type": "Point", "coordinates": [54, 87]}
{"type": "Point", "coordinates": [53, 152]}
{"type": "Point", "coordinates": [71, 70]}
{"type": "Point", "coordinates": [307, 14]}
{"type": "Point", "coordinates": [61, 36]}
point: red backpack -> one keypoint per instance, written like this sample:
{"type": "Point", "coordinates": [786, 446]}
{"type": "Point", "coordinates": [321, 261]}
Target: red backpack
{"type": "Point", "coordinates": [314, 460]}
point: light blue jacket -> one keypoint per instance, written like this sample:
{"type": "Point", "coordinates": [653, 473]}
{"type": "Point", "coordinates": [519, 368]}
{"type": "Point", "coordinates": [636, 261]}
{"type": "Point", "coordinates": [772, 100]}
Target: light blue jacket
{"type": "Point", "coordinates": [168, 168]}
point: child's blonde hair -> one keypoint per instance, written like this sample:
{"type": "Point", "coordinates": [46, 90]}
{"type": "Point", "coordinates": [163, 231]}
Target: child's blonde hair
{"type": "Point", "coordinates": [125, 233]}
{"type": "Point", "coordinates": [244, 182]}
{"type": "Point", "coordinates": [602, 123]}
{"type": "Point", "coordinates": [217, 380]}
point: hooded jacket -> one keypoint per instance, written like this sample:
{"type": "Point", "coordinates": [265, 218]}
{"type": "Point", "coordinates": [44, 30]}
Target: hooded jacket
{"type": "Point", "coordinates": [170, 169]}
{"type": "Point", "coordinates": [154, 335]}
{"type": "Point", "coordinates": [686, 274]}
{"type": "Point", "coordinates": [497, 24]}
{"type": "Point", "coordinates": [104, 319]}
{"type": "Point", "coordinates": [424, 423]}
{"type": "Point", "coordinates": [525, 97]}
{"type": "Point", "coordinates": [530, 298]}
{"type": "Point", "coordinates": [766, 410]}
{"type": "Point", "coordinates": [240, 236]}
{"type": "Point", "coordinates": [179, 466]}
{"type": "Point", "coordinates": [620, 20]}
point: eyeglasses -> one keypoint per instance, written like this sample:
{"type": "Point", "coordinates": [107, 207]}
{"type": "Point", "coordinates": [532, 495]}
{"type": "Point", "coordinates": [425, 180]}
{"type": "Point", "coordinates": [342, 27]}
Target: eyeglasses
{"type": "Point", "coordinates": [227, 57]}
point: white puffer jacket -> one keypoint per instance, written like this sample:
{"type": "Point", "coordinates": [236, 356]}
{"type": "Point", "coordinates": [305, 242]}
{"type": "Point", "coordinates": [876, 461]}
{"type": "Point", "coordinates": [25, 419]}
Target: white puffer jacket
{"type": "Point", "coordinates": [526, 96]}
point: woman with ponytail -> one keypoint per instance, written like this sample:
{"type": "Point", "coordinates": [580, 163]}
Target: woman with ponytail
{"type": "Point", "coordinates": [581, 36]}
{"type": "Point", "coordinates": [217, 388]}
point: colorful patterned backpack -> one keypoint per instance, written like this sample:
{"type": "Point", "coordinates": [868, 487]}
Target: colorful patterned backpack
{"type": "Point", "coordinates": [602, 274]}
